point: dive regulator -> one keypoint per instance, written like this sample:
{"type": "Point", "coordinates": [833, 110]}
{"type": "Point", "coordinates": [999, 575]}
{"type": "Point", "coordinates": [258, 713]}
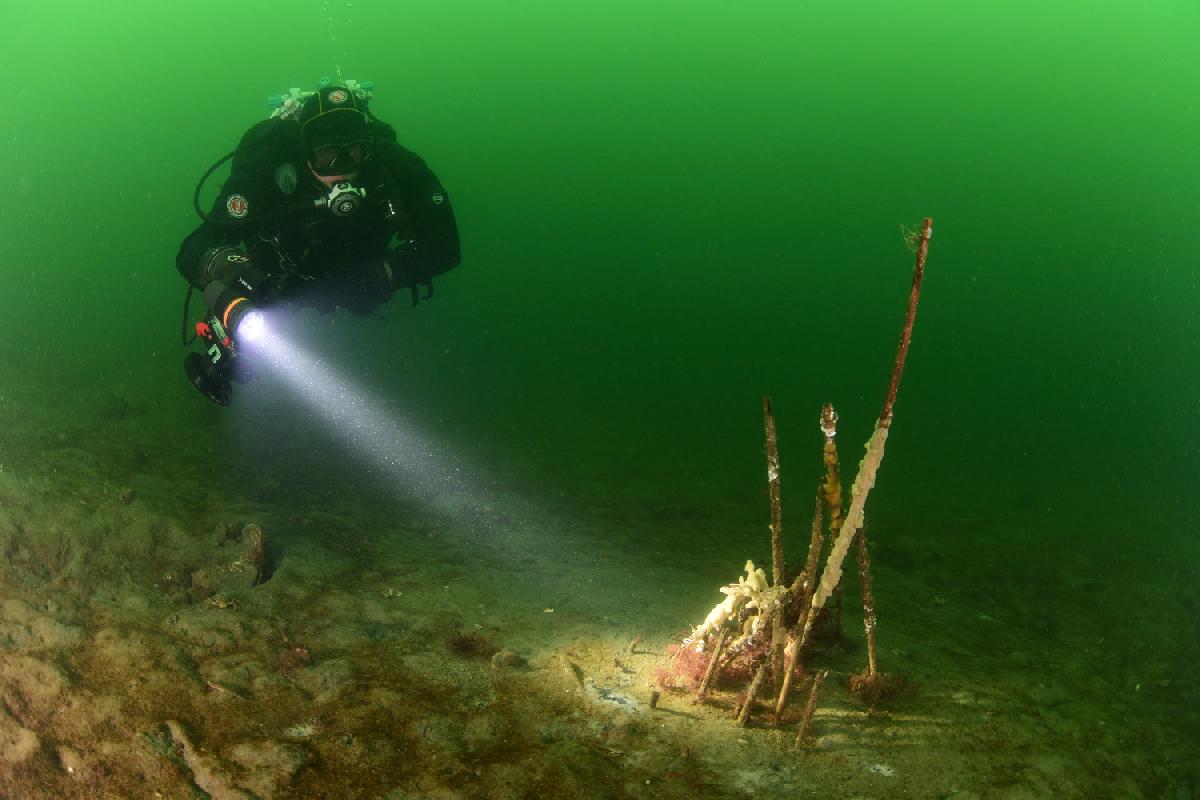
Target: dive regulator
{"type": "Point", "coordinates": [343, 199]}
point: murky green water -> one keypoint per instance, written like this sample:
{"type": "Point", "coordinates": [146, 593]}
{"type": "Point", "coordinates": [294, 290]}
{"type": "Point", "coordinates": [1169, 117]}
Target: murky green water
{"type": "Point", "coordinates": [667, 211]}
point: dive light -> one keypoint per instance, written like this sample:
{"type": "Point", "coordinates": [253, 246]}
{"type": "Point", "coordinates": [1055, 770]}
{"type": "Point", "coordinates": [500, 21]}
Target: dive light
{"type": "Point", "coordinates": [233, 319]}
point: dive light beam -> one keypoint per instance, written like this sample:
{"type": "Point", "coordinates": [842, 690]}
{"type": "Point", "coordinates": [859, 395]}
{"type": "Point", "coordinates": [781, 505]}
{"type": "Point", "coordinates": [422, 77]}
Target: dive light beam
{"type": "Point", "coordinates": [377, 435]}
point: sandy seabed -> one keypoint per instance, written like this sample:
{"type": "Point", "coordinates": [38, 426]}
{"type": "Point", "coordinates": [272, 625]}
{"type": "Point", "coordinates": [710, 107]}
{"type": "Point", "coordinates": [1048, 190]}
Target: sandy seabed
{"type": "Point", "coordinates": [376, 649]}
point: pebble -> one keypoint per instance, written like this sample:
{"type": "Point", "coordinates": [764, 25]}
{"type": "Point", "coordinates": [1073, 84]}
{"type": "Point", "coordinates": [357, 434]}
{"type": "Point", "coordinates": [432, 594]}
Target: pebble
{"type": "Point", "coordinates": [506, 658]}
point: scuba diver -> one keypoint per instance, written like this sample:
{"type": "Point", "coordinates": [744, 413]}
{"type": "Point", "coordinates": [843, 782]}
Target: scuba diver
{"type": "Point", "coordinates": [322, 209]}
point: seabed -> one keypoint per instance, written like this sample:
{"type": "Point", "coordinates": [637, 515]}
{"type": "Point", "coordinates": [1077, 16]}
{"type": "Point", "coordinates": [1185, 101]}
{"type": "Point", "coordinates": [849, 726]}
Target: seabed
{"type": "Point", "coordinates": [376, 650]}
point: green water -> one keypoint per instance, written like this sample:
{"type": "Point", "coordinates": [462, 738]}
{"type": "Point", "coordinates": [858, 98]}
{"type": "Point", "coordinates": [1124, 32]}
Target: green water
{"type": "Point", "coordinates": [668, 210]}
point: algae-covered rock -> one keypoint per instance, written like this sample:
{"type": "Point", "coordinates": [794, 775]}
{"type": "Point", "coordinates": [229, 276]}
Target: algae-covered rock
{"type": "Point", "coordinates": [237, 674]}
{"type": "Point", "coordinates": [29, 685]}
{"type": "Point", "coordinates": [236, 562]}
{"type": "Point", "coordinates": [439, 732]}
{"type": "Point", "coordinates": [207, 773]}
{"type": "Point", "coordinates": [216, 629]}
{"type": "Point", "coordinates": [24, 628]}
{"type": "Point", "coordinates": [325, 680]}
{"type": "Point", "coordinates": [17, 743]}
{"type": "Point", "coordinates": [484, 732]}
{"type": "Point", "coordinates": [269, 766]}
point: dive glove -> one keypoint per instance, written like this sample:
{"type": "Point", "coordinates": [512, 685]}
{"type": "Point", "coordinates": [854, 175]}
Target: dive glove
{"type": "Point", "coordinates": [221, 264]}
{"type": "Point", "coordinates": [407, 265]}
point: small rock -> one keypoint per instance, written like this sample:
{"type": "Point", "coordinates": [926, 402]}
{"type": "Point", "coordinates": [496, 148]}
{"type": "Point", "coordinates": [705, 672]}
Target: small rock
{"type": "Point", "coordinates": [831, 741]}
{"type": "Point", "coordinates": [506, 658]}
{"type": "Point", "coordinates": [303, 730]}
{"type": "Point", "coordinates": [71, 761]}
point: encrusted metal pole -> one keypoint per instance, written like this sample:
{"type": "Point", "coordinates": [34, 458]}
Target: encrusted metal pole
{"type": "Point", "coordinates": [773, 493]}
{"type": "Point", "coordinates": [751, 693]}
{"type": "Point", "coordinates": [801, 590]}
{"type": "Point", "coordinates": [702, 689]}
{"type": "Point", "coordinates": [864, 479]}
{"type": "Point", "coordinates": [914, 296]}
{"type": "Point", "coordinates": [864, 579]}
{"type": "Point", "coordinates": [778, 629]}
{"type": "Point", "coordinates": [810, 707]}
{"type": "Point", "coordinates": [832, 487]}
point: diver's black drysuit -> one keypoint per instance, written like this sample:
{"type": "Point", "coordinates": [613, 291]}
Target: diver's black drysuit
{"type": "Point", "coordinates": [401, 236]}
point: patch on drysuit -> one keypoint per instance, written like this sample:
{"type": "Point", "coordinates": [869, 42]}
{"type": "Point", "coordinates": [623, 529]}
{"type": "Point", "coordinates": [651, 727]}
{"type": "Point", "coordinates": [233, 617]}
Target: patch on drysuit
{"type": "Point", "coordinates": [337, 96]}
{"type": "Point", "coordinates": [237, 258]}
{"type": "Point", "coordinates": [438, 198]}
{"type": "Point", "coordinates": [237, 206]}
